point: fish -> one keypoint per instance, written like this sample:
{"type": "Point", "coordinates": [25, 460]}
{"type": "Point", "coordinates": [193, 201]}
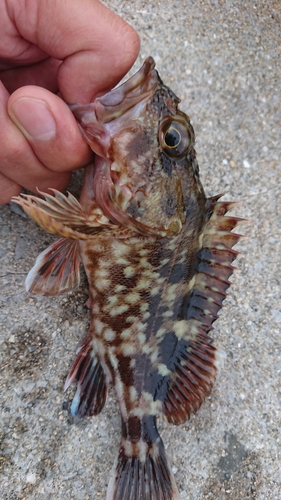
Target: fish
{"type": "Point", "coordinates": [158, 257]}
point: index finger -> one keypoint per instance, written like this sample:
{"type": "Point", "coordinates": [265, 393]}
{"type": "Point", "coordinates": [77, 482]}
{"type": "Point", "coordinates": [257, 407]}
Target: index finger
{"type": "Point", "coordinates": [96, 46]}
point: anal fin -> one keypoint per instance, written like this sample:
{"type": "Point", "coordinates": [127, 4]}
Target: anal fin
{"type": "Point", "coordinates": [56, 270]}
{"type": "Point", "coordinates": [91, 390]}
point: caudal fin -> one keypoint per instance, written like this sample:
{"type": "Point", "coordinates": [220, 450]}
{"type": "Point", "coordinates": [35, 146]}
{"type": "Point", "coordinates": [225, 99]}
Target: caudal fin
{"type": "Point", "coordinates": [142, 472]}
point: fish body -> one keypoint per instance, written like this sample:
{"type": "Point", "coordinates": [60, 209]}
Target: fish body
{"type": "Point", "coordinates": [157, 255]}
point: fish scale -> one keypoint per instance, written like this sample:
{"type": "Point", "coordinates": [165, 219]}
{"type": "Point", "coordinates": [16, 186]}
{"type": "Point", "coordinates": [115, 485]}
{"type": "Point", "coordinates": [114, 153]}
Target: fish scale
{"type": "Point", "coordinates": [158, 256]}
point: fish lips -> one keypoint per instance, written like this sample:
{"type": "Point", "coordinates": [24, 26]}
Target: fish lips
{"type": "Point", "coordinates": [103, 119]}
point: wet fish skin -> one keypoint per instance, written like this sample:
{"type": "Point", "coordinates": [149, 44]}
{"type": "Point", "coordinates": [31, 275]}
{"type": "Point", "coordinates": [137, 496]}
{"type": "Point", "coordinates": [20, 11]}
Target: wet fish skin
{"type": "Point", "coordinates": [158, 257]}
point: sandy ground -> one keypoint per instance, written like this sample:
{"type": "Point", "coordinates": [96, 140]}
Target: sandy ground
{"type": "Point", "coordinates": [222, 58]}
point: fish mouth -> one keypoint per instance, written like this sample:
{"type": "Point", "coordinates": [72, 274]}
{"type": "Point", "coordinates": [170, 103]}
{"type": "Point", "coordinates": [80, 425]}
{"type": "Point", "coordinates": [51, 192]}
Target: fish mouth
{"type": "Point", "coordinates": [135, 90]}
{"type": "Point", "coordinates": [100, 120]}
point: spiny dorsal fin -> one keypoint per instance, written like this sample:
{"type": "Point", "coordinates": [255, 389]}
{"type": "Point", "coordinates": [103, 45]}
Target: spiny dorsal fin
{"type": "Point", "coordinates": [196, 360]}
{"type": "Point", "coordinates": [214, 264]}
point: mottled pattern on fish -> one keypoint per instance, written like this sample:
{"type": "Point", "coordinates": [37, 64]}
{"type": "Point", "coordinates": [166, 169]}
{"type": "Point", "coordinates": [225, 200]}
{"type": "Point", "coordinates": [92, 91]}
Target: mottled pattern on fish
{"type": "Point", "coordinates": [158, 257]}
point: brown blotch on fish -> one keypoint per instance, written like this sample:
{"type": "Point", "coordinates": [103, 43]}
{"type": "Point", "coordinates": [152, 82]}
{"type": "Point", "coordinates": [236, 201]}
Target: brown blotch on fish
{"type": "Point", "coordinates": [158, 257]}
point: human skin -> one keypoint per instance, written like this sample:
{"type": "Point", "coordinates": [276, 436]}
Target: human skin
{"type": "Point", "coordinates": [53, 52]}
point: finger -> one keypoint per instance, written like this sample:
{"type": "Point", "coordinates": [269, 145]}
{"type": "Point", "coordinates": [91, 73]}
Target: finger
{"type": "Point", "coordinates": [19, 166]}
{"type": "Point", "coordinates": [8, 189]}
{"type": "Point", "coordinates": [97, 47]}
{"type": "Point", "coordinates": [43, 74]}
{"type": "Point", "coordinates": [49, 127]}
{"type": "Point", "coordinates": [15, 49]}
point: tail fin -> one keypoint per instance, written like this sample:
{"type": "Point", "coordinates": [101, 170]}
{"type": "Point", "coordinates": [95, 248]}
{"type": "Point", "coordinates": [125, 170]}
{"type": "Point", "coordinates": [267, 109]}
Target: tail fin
{"type": "Point", "coordinates": [142, 472]}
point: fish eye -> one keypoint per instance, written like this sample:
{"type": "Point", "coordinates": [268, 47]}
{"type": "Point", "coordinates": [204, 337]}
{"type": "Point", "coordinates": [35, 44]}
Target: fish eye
{"type": "Point", "coordinates": [176, 136]}
{"type": "Point", "coordinates": [172, 138]}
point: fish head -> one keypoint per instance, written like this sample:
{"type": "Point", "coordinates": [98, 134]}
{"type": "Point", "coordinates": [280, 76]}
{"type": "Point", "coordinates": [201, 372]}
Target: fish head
{"type": "Point", "coordinates": [145, 173]}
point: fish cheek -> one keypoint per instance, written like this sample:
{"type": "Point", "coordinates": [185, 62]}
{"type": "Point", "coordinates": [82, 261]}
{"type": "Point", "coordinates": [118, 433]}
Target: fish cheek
{"type": "Point", "coordinates": [167, 165]}
{"type": "Point", "coordinates": [140, 144]}
{"type": "Point", "coordinates": [171, 204]}
{"type": "Point", "coordinates": [172, 200]}
{"type": "Point", "coordinates": [133, 152]}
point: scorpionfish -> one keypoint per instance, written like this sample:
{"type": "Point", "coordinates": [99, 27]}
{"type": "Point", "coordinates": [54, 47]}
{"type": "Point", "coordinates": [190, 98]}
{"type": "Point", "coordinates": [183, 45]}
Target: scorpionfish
{"type": "Point", "coordinates": [157, 255]}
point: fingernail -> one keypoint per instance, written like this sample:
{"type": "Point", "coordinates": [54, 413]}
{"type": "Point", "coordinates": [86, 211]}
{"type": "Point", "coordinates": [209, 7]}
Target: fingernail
{"type": "Point", "coordinates": [34, 118]}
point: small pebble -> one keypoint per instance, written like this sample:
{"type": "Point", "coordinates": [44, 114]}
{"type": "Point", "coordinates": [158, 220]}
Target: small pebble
{"type": "Point", "coordinates": [31, 478]}
{"type": "Point", "coordinates": [246, 164]}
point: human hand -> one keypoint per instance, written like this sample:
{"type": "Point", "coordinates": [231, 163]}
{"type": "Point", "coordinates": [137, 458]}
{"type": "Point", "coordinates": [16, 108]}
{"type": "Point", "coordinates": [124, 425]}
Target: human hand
{"type": "Point", "coordinates": [79, 48]}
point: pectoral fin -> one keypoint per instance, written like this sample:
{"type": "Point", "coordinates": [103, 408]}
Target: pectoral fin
{"type": "Point", "coordinates": [62, 215]}
{"type": "Point", "coordinates": [56, 270]}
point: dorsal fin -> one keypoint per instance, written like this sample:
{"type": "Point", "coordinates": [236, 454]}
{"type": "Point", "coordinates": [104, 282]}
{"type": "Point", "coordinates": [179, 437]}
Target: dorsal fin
{"type": "Point", "coordinates": [213, 265]}
{"type": "Point", "coordinates": [193, 377]}
{"type": "Point", "coordinates": [196, 360]}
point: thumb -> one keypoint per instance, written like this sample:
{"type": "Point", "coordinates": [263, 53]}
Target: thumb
{"type": "Point", "coordinates": [49, 127]}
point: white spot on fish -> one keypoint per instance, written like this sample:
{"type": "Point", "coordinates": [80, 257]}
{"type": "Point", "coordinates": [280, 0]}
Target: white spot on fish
{"type": "Point", "coordinates": [137, 412]}
{"type": "Point", "coordinates": [115, 311]}
{"type": "Point", "coordinates": [163, 370]}
{"type": "Point", "coordinates": [160, 332]}
{"type": "Point", "coordinates": [129, 271]}
{"type": "Point", "coordinates": [132, 298]}
{"type": "Point", "coordinates": [102, 284]}
{"type": "Point", "coordinates": [154, 355]}
{"type": "Point", "coordinates": [144, 306]}
{"type": "Point", "coordinates": [144, 283]}
{"type": "Point", "coordinates": [113, 299]}
{"type": "Point", "coordinates": [155, 407]}
{"type": "Point", "coordinates": [133, 363]}
{"type": "Point", "coordinates": [122, 261]}
{"type": "Point", "coordinates": [109, 334]}
{"type": "Point", "coordinates": [142, 449]}
{"type": "Point", "coordinates": [101, 272]}
{"type": "Point", "coordinates": [119, 288]}
{"type": "Point", "coordinates": [155, 291]}
{"type": "Point", "coordinates": [98, 325]}
{"type": "Point", "coordinates": [128, 447]}
{"type": "Point", "coordinates": [133, 394]}
{"type": "Point", "coordinates": [146, 315]}
{"type": "Point", "coordinates": [126, 334]}
{"type": "Point", "coordinates": [141, 338]}
{"type": "Point", "coordinates": [167, 314]}
{"type": "Point", "coordinates": [132, 319]}
{"type": "Point", "coordinates": [127, 349]}
{"type": "Point", "coordinates": [180, 328]}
